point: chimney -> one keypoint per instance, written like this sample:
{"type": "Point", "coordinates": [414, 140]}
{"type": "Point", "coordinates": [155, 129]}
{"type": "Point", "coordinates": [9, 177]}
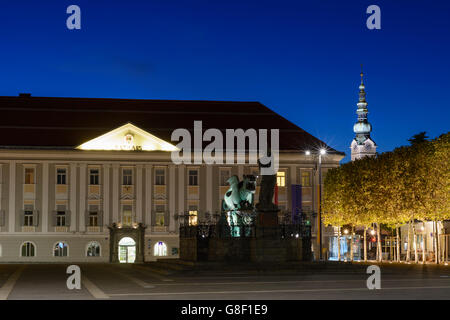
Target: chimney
{"type": "Point", "coordinates": [25, 95]}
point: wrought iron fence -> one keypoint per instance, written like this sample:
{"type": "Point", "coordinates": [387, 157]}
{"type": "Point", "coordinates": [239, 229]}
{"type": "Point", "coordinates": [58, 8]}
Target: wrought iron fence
{"type": "Point", "coordinates": [299, 230]}
{"type": "Point", "coordinates": [216, 231]}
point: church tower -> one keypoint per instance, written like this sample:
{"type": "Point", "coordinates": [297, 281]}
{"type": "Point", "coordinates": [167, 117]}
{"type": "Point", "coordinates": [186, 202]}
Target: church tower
{"type": "Point", "coordinates": [362, 145]}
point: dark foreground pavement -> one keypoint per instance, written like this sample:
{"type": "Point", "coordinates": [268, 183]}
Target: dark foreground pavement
{"type": "Point", "coordinates": [107, 281]}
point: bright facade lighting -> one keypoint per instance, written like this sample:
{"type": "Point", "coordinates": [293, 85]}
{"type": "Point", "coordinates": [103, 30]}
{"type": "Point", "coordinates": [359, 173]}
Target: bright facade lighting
{"type": "Point", "coordinates": [372, 232]}
{"type": "Point", "coordinates": [128, 138]}
{"type": "Point", "coordinates": [323, 151]}
{"type": "Point", "coordinates": [345, 231]}
{"type": "Point", "coordinates": [308, 152]}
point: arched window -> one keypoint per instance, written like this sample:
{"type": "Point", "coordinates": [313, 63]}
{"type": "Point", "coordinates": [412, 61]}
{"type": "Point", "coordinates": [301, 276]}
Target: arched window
{"type": "Point", "coordinates": [160, 249]}
{"type": "Point", "coordinates": [93, 249]}
{"type": "Point", "coordinates": [28, 249]}
{"type": "Point", "coordinates": [60, 249]}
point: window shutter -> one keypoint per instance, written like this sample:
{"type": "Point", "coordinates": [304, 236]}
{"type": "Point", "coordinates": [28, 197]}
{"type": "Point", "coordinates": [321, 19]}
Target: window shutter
{"type": "Point", "coordinates": [100, 218]}
{"type": "Point", "coordinates": [22, 217]}
{"type": "Point", "coordinates": [35, 218]}
{"type": "Point", "coordinates": [54, 217]}
{"type": "Point", "coordinates": [86, 218]}
{"type": "Point", "coordinates": [67, 218]}
{"type": "Point", "coordinates": [2, 218]}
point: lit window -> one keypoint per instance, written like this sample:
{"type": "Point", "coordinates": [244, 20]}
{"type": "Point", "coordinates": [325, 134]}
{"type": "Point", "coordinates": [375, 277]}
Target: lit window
{"type": "Point", "coordinates": [281, 178]}
{"type": "Point", "coordinates": [160, 177]}
{"type": "Point", "coordinates": [160, 249]}
{"type": "Point", "coordinates": [127, 215]}
{"type": "Point", "coordinates": [193, 177]}
{"type": "Point", "coordinates": [224, 176]}
{"type": "Point", "coordinates": [127, 175]}
{"type": "Point", "coordinates": [160, 213]}
{"type": "Point", "coordinates": [28, 249]}
{"type": "Point", "coordinates": [60, 249]}
{"type": "Point", "coordinates": [93, 176]}
{"type": "Point", "coordinates": [306, 178]}
{"type": "Point", "coordinates": [193, 216]}
{"type": "Point", "coordinates": [93, 249]}
{"type": "Point", "coordinates": [61, 176]}
{"type": "Point", "coordinates": [29, 175]}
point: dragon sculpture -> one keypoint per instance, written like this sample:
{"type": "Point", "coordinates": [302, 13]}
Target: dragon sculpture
{"type": "Point", "coordinates": [238, 203]}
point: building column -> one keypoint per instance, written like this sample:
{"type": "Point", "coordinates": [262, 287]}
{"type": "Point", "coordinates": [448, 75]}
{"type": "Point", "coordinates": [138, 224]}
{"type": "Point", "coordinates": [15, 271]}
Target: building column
{"type": "Point", "coordinates": [139, 193]}
{"type": "Point", "coordinates": [172, 198]}
{"type": "Point", "coordinates": [44, 213]}
{"type": "Point", "coordinates": [209, 189]}
{"type": "Point", "coordinates": [83, 192]}
{"type": "Point", "coordinates": [115, 197]}
{"type": "Point", "coordinates": [240, 171]}
{"type": "Point", "coordinates": [106, 194]}
{"type": "Point", "coordinates": [148, 195]}
{"type": "Point", "coordinates": [292, 174]}
{"type": "Point", "coordinates": [1, 189]}
{"type": "Point", "coordinates": [12, 197]}
{"type": "Point", "coordinates": [181, 188]}
{"type": "Point", "coordinates": [73, 197]}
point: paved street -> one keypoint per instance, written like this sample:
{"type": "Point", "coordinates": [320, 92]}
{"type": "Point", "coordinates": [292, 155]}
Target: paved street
{"type": "Point", "coordinates": [104, 281]}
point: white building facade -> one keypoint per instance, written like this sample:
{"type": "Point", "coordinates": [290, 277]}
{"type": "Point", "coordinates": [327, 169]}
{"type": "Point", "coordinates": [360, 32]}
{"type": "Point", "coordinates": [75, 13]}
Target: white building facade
{"type": "Point", "coordinates": [118, 196]}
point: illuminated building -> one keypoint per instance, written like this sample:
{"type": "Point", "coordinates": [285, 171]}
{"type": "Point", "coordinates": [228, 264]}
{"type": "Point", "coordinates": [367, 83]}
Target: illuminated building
{"type": "Point", "coordinates": [91, 180]}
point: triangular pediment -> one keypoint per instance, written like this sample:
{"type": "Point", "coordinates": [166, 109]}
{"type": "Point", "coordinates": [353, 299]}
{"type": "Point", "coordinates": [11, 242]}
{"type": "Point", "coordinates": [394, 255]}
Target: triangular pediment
{"type": "Point", "coordinates": [128, 138]}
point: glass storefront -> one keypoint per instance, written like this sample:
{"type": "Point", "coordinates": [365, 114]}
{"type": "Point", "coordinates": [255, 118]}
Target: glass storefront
{"type": "Point", "coordinates": [346, 242]}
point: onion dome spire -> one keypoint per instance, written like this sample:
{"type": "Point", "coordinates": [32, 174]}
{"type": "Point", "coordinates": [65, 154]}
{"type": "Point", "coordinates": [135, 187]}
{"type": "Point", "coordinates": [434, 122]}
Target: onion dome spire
{"type": "Point", "coordinates": [362, 128]}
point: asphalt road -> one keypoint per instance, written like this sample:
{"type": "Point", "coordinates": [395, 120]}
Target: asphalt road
{"type": "Point", "coordinates": [106, 281]}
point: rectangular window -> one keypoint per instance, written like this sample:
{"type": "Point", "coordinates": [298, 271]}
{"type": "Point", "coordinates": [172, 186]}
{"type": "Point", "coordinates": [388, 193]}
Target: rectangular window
{"type": "Point", "coordinates": [93, 216]}
{"type": "Point", "coordinates": [28, 215]}
{"type": "Point", "coordinates": [160, 177]}
{"type": "Point", "coordinates": [224, 176]}
{"type": "Point", "coordinates": [193, 216]}
{"type": "Point", "coordinates": [160, 211]}
{"type": "Point", "coordinates": [127, 215]}
{"type": "Point", "coordinates": [281, 179]}
{"type": "Point", "coordinates": [61, 176]}
{"type": "Point", "coordinates": [93, 176]}
{"type": "Point", "coordinates": [60, 215]}
{"type": "Point", "coordinates": [29, 175]}
{"type": "Point", "coordinates": [306, 179]}
{"type": "Point", "coordinates": [127, 177]}
{"type": "Point", "coordinates": [193, 177]}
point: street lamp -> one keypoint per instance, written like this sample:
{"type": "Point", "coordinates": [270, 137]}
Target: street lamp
{"type": "Point", "coordinates": [321, 153]}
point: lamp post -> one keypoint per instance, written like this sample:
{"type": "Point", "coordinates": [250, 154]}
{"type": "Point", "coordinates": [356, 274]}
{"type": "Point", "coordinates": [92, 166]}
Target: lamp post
{"type": "Point", "coordinates": [321, 153]}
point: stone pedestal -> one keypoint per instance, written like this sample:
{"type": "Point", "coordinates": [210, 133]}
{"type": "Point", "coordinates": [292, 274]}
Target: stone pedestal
{"type": "Point", "coordinates": [269, 242]}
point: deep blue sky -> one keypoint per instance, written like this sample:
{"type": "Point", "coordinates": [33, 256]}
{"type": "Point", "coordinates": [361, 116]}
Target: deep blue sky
{"type": "Point", "coordinates": [300, 58]}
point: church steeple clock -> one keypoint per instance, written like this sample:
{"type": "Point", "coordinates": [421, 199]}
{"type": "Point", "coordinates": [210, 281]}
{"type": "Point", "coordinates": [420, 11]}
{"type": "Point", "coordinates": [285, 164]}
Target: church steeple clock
{"type": "Point", "coordinates": [362, 145]}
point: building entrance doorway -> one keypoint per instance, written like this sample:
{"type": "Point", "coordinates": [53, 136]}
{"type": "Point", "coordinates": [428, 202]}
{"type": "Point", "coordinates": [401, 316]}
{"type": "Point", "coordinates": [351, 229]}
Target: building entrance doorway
{"type": "Point", "coordinates": [127, 250]}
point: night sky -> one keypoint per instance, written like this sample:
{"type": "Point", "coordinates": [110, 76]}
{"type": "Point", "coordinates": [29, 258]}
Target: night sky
{"type": "Point", "coordinates": [300, 58]}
